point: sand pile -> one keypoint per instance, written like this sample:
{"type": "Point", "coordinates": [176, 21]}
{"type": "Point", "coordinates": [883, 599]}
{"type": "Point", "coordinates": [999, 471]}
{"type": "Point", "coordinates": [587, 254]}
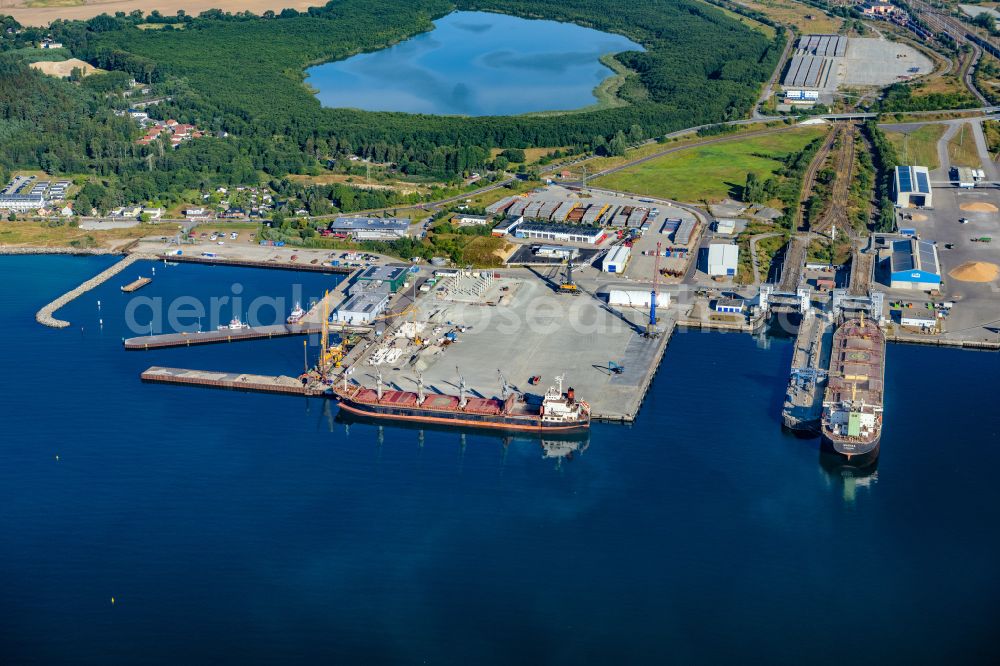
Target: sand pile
{"type": "Point", "coordinates": [979, 208]}
{"type": "Point", "coordinates": [976, 271]}
{"type": "Point", "coordinates": [918, 217]}
{"type": "Point", "coordinates": [64, 68]}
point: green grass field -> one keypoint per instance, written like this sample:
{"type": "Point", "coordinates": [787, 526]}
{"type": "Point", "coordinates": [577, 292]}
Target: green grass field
{"type": "Point", "coordinates": [919, 146]}
{"type": "Point", "coordinates": [710, 173]}
{"type": "Point", "coordinates": [962, 148]}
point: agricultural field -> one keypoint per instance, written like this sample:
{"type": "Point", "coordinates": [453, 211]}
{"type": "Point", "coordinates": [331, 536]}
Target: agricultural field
{"type": "Point", "coordinates": [806, 19]}
{"type": "Point", "coordinates": [43, 12]}
{"type": "Point", "coordinates": [918, 146]}
{"type": "Point", "coordinates": [715, 171]}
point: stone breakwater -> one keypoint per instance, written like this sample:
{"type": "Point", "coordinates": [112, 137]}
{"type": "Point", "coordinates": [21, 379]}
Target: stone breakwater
{"type": "Point", "coordinates": [44, 316]}
{"type": "Point", "coordinates": [57, 250]}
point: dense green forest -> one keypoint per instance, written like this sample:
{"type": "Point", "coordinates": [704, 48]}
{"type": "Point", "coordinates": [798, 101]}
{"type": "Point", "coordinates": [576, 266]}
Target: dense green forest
{"type": "Point", "coordinates": [242, 74]}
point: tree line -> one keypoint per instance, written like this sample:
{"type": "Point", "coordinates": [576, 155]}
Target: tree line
{"type": "Point", "coordinates": [242, 74]}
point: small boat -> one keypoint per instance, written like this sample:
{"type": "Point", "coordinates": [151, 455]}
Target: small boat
{"type": "Point", "coordinates": [297, 314]}
{"type": "Point", "coordinates": [235, 325]}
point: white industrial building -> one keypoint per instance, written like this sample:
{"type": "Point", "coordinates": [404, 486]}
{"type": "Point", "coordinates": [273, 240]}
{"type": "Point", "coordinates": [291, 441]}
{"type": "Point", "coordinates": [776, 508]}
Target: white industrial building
{"type": "Point", "coordinates": [725, 226]}
{"type": "Point", "coordinates": [637, 298]}
{"type": "Point", "coordinates": [566, 233]}
{"type": "Point", "coordinates": [363, 307]}
{"type": "Point", "coordinates": [723, 260]}
{"type": "Point", "coordinates": [371, 228]}
{"type": "Point", "coordinates": [616, 260]}
{"type": "Point", "coordinates": [470, 220]}
{"type": "Point", "coordinates": [918, 318]}
{"type": "Point", "coordinates": [507, 225]}
{"type": "Point", "coordinates": [912, 187]}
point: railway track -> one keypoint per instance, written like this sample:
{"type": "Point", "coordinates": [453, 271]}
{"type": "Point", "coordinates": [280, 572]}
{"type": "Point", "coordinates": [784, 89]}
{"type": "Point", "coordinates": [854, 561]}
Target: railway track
{"type": "Point", "coordinates": [809, 181]}
{"type": "Point", "coordinates": [836, 213]}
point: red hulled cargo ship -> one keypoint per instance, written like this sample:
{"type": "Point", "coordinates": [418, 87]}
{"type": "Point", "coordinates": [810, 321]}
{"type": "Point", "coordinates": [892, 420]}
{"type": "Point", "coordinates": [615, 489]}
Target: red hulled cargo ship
{"type": "Point", "coordinates": [558, 412]}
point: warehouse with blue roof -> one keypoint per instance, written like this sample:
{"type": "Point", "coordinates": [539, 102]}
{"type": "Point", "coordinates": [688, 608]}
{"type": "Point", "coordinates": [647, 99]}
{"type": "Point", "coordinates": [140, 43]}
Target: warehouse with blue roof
{"type": "Point", "coordinates": [912, 185]}
{"type": "Point", "coordinates": [914, 264]}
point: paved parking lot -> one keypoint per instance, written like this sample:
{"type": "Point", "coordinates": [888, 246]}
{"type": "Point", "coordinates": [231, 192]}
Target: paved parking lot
{"type": "Point", "coordinates": [977, 309]}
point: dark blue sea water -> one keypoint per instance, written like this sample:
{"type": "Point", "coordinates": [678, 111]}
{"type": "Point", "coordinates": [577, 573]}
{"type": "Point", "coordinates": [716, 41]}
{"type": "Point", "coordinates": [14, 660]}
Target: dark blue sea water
{"type": "Point", "coordinates": [241, 528]}
{"type": "Point", "coordinates": [475, 64]}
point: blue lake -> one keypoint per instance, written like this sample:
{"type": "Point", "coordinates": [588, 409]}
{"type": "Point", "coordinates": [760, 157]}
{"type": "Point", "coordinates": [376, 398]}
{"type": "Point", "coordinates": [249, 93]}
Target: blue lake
{"type": "Point", "coordinates": [242, 528]}
{"type": "Point", "coordinates": [475, 64]}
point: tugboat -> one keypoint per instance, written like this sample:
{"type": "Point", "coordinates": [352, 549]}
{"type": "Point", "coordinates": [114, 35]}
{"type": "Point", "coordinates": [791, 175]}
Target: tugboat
{"type": "Point", "coordinates": [558, 412]}
{"type": "Point", "coordinates": [297, 314]}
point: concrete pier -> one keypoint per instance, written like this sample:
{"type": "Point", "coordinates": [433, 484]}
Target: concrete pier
{"type": "Point", "coordinates": [234, 335]}
{"type": "Point", "coordinates": [250, 263]}
{"type": "Point", "coordinates": [136, 285]}
{"type": "Point", "coordinates": [45, 315]}
{"type": "Point", "coordinates": [803, 405]}
{"type": "Point", "coordinates": [235, 381]}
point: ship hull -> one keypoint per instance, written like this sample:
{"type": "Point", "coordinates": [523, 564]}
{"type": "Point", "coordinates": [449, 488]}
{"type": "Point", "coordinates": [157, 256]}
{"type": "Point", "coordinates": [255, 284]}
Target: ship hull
{"type": "Point", "coordinates": [460, 419]}
{"type": "Point", "coordinates": [346, 417]}
{"type": "Point", "coordinates": [803, 425]}
{"type": "Point", "coordinates": [853, 451]}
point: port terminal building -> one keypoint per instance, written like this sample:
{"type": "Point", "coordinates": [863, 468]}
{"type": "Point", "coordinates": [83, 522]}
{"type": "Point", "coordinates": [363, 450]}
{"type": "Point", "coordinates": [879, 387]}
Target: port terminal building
{"type": "Point", "coordinates": [914, 264]}
{"type": "Point", "coordinates": [382, 278]}
{"type": "Point", "coordinates": [722, 260]}
{"type": "Point", "coordinates": [912, 187]}
{"type": "Point", "coordinates": [363, 308]}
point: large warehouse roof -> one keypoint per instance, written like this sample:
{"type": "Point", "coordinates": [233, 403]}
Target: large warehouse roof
{"type": "Point", "coordinates": [578, 230]}
{"type": "Point", "coordinates": [914, 255]}
{"type": "Point", "coordinates": [370, 223]}
{"type": "Point", "coordinates": [912, 179]}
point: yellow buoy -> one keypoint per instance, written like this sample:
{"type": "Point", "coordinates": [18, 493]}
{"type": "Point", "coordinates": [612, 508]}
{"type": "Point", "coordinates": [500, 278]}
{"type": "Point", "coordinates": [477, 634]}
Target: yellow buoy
{"type": "Point", "coordinates": [112, 601]}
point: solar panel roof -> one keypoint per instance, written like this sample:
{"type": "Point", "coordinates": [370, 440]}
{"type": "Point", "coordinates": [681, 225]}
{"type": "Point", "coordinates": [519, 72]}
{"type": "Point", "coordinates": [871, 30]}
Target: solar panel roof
{"type": "Point", "coordinates": [902, 258]}
{"type": "Point", "coordinates": [928, 258]}
{"type": "Point", "coordinates": [905, 184]}
{"type": "Point", "coordinates": [922, 184]}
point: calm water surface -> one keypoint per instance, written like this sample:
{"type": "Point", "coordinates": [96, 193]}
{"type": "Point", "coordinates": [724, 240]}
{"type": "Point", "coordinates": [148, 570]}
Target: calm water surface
{"type": "Point", "coordinates": [240, 528]}
{"type": "Point", "coordinates": [475, 64]}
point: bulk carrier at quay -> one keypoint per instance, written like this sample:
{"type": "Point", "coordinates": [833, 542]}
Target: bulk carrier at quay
{"type": "Point", "coordinates": [558, 412]}
{"type": "Point", "coordinates": [852, 406]}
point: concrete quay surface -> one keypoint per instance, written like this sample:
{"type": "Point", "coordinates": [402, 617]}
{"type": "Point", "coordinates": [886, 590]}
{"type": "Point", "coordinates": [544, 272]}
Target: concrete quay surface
{"type": "Point", "coordinates": [531, 331]}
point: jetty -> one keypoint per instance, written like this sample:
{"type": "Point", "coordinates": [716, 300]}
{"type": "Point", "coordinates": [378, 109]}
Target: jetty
{"type": "Point", "coordinates": [235, 381]}
{"type": "Point", "coordinates": [803, 405]}
{"type": "Point", "coordinates": [251, 263]}
{"type": "Point", "coordinates": [136, 285]}
{"type": "Point", "coordinates": [45, 315]}
{"type": "Point", "coordinates": [227, 334]}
